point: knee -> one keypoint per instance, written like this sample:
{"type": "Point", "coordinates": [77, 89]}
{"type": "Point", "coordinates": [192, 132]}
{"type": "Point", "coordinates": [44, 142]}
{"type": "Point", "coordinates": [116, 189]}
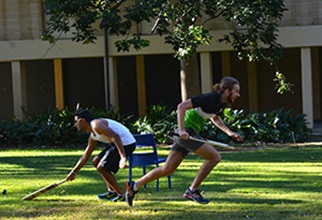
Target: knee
{"type": "Point", "coordinates": [218, 158]}
{"type": "Point", "coordinates": [215, 159]}
{"type": "Point", "coordinates": [95, 161]}
{"type": "Point", "coordinates": [167, 171]}
{"type": "Point", "coordinates": [99, 168]}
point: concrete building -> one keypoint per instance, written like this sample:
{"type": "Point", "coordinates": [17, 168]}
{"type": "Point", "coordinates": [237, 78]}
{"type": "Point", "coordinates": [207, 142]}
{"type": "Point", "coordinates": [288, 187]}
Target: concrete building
{"type": "Point", "coordinates": [37, 75]}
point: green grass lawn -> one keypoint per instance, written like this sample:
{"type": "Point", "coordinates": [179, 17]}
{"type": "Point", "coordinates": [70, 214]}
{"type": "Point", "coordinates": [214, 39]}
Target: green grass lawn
{"type": "Point", "coordinates": [273, 183]}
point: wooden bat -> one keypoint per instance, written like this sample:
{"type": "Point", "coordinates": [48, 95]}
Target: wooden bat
{"type": "Point", "coordinates": [214, 143]}
{"type": "Point", "coordinates": [43, 190]}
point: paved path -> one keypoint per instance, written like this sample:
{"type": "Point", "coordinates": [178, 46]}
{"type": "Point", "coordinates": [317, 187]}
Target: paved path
{"type": "Point", "coordinates": [316, 132]}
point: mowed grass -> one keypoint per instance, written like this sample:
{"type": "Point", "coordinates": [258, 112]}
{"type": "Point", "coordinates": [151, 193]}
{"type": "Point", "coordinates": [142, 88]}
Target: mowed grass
{"type": "Point", "coordinates": [272, 183]}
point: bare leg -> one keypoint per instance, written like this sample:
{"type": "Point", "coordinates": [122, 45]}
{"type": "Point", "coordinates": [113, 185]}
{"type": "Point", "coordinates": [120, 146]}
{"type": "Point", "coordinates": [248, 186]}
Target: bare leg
{"type": "Point", "coordinates": [173, 161]}
{"type": "Point", "coordinates": [110, 180]}
{"type": "Point", "coordinates": [96, 161]}
{"type": "Point", "coordinates": [212, 157]}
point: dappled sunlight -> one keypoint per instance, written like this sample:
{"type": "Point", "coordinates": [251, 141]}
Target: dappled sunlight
{"type": "Point", "coordinates": [236, 188]}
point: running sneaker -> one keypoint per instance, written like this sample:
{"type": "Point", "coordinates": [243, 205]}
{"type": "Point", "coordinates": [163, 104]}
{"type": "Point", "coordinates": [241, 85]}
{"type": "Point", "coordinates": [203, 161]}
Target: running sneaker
{"type": "Point", "coordinates": [130, 192]}
{"type": "Point", "coordinates": [195, 196]}
{"type": "Point", "coordinates": [106, 196]}
{"type": "Point", "coordinates": [117, 198]}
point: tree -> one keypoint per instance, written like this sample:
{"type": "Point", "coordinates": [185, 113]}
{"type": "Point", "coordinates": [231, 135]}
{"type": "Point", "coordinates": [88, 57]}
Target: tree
{"type": "Point", "coordinates": [182, 22]}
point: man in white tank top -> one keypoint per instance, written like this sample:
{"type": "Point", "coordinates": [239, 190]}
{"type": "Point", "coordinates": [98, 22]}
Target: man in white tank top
{"type": "Point", "coordinates": [108, 162]}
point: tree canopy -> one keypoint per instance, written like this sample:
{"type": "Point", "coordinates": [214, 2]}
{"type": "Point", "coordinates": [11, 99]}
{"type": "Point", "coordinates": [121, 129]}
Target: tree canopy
{"type": "Point", "coordinates": [183, 23]}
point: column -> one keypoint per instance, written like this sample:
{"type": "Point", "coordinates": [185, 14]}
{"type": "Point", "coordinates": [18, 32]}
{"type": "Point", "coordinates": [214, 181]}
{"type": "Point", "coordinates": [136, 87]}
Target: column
{"type": "Point", "coordinates": [19, 87]}
{"type": "Point", "coordinates": [140, 73]}
{"type": "Point", "coordinates": [59, 88]}
{"type": "Point", "coordinates": [113, 82]}
{"type": "Point", "coordinates": [226, 70]}
{"type": "Point", "coordinates": [252, 87]}
{"type": "Point", "coordinates": [206, 72]}
{"type": "Point", "coordinates": [307, 84]}
{"type": "Point", "coordinates": [316, 83]}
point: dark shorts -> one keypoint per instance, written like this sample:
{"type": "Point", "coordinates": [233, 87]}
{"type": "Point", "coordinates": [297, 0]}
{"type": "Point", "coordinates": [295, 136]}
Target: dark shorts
{"type": "Point", "coordinates": [110, 157]}
{"type": "Point", "coordinates": [186, 146]}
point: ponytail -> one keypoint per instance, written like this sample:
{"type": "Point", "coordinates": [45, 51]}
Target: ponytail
{"type": "Point", "coordinates": [216, 87]}
{"type": "Point", "coordinates": [227, 82]}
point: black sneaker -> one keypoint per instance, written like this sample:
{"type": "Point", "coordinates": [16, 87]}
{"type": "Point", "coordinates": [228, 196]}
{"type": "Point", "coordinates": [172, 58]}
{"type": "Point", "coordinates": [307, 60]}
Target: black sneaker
{"type": "Point", "coordinates": [195, 196]}
{"type": "Point", "coordinates": [106, 196]}
{"type": "Point", "coordinates": [130, 192]}
{"type": "Point", "coordinates": [117, 198]}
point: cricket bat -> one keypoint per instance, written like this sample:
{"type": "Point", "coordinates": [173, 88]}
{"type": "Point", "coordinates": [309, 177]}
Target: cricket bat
{"type": "Point", "coordinates": [214, 143]}
{"type": "Point", "coordinates": [43, 190]}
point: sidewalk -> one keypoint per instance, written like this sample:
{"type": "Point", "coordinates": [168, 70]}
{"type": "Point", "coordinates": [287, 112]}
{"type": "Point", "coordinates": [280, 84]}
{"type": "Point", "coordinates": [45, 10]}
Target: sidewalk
{"type": "Point", "coordinates": [316, 135]}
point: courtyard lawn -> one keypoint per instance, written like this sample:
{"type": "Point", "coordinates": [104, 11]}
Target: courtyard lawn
{"type": "Point", "coordinates": [271, 183]}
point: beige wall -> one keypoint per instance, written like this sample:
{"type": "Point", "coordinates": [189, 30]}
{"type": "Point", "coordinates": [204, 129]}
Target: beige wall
{"type": "Point", "coordinates": [20, 19]}
{"type": "Point", "coordinates": [24, 19]}
{"type": "Point", "coordinates": [21, 24]}
{"type": "Point", "coordinates": [302, 12]}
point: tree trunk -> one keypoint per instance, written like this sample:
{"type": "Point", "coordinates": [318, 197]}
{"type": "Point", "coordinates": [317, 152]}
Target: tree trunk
{"type": "Point", "coordinates": [189, 75]}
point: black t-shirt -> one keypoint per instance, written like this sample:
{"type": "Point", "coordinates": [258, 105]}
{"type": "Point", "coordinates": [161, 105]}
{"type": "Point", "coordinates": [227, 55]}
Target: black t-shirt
{"type": "Point", "coordinates": [209, 103]}
{"type": "Point", "coordinates": [205, 106]}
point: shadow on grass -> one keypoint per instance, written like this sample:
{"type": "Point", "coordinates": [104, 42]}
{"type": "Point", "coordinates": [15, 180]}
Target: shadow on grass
{"type": "Point", "coordinates": [236, 191]}
{"type": "Point", "coordinates": [41, 163]}
{"type": "Point", "coordinates": [236, 200]}
{"type": "Point", "coordinates": [293, 154]}
{"type": "Point", "coordinates": [60, 201]}
{"type": "Point", "coordinates": [280, 180]}
{"type": "Point", "coordinates": [222, 179]}
{"type": "Point", "coordinates": [258, 201]}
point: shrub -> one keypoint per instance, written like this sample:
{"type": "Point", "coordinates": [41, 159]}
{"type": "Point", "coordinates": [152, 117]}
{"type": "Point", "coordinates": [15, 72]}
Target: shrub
{"type": "Point", "coordinates": [114, 113]}
{"type": "Point", "coordinates": [15, 132]}
{"type": "Point", "coordinates": [159, 120]}
{"type": "Point", "coordinates": [278, 126]}
{"type": "Point", "coordinates": [56, 127]}
{"type": "Point", "coordinates": [53, 128]}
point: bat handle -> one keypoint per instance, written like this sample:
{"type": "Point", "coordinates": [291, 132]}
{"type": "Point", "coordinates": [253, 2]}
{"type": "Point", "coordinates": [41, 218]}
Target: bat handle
{"type": "Point", "coordinates": [61, 182]}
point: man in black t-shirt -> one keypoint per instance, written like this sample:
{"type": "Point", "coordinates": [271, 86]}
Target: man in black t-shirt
{"type": "Point", "coordinates": [192, 115]}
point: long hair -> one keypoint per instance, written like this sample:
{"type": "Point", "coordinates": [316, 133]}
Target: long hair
{"type": "Point", "coordinates": [227, 82]}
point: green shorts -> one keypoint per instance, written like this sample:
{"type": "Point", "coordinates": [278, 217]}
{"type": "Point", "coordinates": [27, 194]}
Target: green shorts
{"type": "Point", "coordinates": [186, 146]}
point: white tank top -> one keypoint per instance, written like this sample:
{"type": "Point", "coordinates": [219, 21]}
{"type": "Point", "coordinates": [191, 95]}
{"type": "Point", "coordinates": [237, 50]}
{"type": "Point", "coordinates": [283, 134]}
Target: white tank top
{"type": "Point", "coordinates": [124, 133]}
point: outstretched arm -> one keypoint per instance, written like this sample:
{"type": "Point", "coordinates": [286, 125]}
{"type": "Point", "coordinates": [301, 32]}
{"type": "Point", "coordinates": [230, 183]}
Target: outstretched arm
{"type": "Point", "coordinates": [82, 160]}
{"type": "Point", "coordinates": [220, 124]}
